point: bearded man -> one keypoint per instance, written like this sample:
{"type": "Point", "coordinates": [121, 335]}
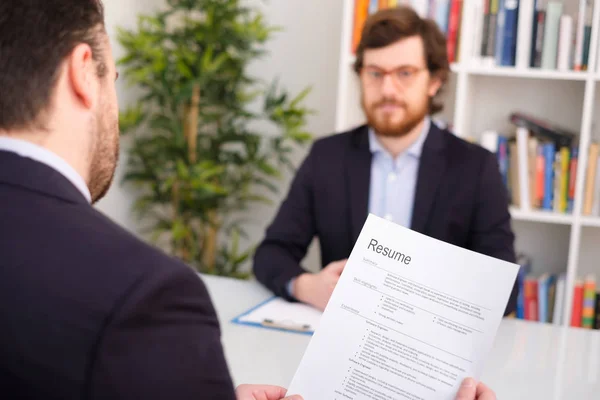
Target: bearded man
{"type": "Point", "coordinates": [400, 166]}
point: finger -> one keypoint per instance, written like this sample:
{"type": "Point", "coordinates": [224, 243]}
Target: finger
{"type": "Point", "coordinates": [484, 392]}
{"type": "Point", "coordinates": [338, 266]}
{"type": "Point", "coordinates": [293, 397]}
{"type": "Point", "coordinates": [273, 392]}
{"type": "Point", "coordinates": [467, 390]}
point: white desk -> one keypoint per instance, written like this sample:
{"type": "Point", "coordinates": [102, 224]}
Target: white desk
{"type": "Point", "coordinates": [529, 361]}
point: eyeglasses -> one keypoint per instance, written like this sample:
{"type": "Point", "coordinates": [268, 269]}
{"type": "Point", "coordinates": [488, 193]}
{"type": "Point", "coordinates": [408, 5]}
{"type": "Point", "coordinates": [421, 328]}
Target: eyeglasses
{"type": "Point", "coordinates": [401, 76]}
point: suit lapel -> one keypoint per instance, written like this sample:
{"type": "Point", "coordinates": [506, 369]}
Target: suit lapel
{"type": "Point", "coordinates": [431, 171]}
{"type": "Point", "coordinates": [358, 176]}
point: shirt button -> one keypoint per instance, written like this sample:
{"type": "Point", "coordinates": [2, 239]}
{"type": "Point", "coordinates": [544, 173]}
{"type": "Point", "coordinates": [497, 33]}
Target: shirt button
{"type": "Point", "coordinates": [389, 217]}
{"type": "Point", "coordinates": [392, 177]}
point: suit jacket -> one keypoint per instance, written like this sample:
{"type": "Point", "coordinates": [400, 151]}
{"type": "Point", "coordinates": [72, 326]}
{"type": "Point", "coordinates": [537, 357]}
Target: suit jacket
{"type": "Point", "coordinates": [459, 198]}
{"type": "Point", "coordinates": [90, 312]}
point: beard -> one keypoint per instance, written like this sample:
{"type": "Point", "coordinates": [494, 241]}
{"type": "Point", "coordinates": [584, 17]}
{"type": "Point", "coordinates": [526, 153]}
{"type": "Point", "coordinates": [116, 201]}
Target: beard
{"type": "Point", "coordinates": [104, 154]}
{"type": "Point", "coordinates": [387, 124]}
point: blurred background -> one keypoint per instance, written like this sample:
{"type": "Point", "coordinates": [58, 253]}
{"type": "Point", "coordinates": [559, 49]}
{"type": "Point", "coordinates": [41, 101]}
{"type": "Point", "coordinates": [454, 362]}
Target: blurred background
{"type": "Point", "coordinates": [208, 197]}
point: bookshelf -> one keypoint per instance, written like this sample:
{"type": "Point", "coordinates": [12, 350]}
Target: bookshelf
{"type": "Point", "coordinates": [480, 96]}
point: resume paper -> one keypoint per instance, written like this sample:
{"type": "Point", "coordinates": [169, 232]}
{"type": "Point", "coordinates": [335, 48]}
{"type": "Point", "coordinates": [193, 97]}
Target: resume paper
{"type": "Point", "coordinates": [410, 318]}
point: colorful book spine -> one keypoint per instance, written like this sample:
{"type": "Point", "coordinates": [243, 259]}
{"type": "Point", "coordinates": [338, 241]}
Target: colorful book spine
{"type": "Point", "coordinates": [531, 299]}
{"type": "Point", "coordinates": [442, 11]}
{"type": "Point", "coordinates": [597, 312]}
{"type": "Point", "coordinates": [524, 270]}
{"type": "Point", "coordinates": [572, 178]}
{"type": "Point", "coordinates": [564, 179]}
{"type": "Point", "coordinates": [552, 280]}
{"type": "Point", "coordinates": [587, 34]}
{"type": "Point", "coordinates": [589, 303]}
{"type": "Point", "coordinates": [361, 12]}
{"type": "Point", "coordinates": [453, 26]}
{"type": "Point", "coordinates": [499, 40]}
{"type": "Point", "coordinates": [550, 45]}
{"type": "Point", "coordinates": [508, 48]}
{"type": "Point", "coordinates": [549, 155]}
{"type": "Point", "coordinates": [540, 174]}
{"type": "Point", "coordinates": [590, 178]}
{"type": "Point", "coordinates": [543, 298]}
{"type": "Point", "coordinates": [373, 6]}
{"type": "Point", "coordinates": [539, 26]}
{"type": "Point", "coordinates": [577, 306]}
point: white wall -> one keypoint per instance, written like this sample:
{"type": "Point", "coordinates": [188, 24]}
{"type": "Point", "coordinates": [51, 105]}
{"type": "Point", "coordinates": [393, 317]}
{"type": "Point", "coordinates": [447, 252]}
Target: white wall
{"type": "Point", "coordinates": [304, 54]}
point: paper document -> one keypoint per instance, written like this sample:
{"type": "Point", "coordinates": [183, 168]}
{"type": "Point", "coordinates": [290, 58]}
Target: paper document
{"type": "Point", "coordinates": [410, 318]}
{"type": "Point", "coordinates": [279, 313]}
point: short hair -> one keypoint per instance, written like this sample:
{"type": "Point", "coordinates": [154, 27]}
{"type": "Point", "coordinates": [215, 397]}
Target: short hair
{"type": "Point", "coordinates": [35, 37]}
{"type": "Point", "coordinates": [390, 25]}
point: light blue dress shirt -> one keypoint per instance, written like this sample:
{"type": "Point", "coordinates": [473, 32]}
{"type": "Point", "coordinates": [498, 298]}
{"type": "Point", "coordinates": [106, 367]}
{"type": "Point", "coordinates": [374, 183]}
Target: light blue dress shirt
{"type": "Point", "coordinates": [40, 154]}
{"type": "Point", "coordinates": [393, 181]}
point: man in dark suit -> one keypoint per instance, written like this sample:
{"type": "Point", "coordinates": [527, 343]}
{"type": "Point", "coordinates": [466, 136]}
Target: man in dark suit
{"type": "Point", "coordinates": [87, 310]}
{"type": "Point", "coordinates": [400, 166]}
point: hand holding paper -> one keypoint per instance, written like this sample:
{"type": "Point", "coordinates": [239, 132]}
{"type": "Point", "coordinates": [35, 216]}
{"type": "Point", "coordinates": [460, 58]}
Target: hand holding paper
{"type": "Point", "coordinates": [316, 289]}
{"type": "Point", "coordinates": [410, 318]}
{"type": "Point", "coordinates": [262, 392]}
{"type": "Point", "coordinates": [470, 390]}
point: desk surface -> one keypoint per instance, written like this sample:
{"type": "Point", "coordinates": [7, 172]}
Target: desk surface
{"type": "Point", "coordinates": [528, 361]}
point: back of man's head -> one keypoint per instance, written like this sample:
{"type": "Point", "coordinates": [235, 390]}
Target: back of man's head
{"type": "Point", "coordinates": [35, 38]}
{"type": "Point", "coordinates": [57, 84]}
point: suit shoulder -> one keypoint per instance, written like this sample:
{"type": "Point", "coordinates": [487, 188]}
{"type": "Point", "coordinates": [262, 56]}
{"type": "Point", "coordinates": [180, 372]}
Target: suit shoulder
{"type": "Point", "coordinates": [337, 141]}
{"type": "Point", "coordinates": [462, 149]}
{"type": "Point", "coordinates": [126, 256]}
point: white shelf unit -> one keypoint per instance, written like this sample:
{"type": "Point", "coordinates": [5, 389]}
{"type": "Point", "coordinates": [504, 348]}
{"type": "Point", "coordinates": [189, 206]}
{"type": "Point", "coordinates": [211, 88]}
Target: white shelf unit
{"type": "Point", "coordinates": [478, 98]}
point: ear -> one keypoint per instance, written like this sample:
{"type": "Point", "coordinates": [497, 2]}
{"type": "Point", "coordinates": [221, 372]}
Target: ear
{"type": "Point", "coordinates": [82, 75]}
{"type": "Point", "coordinates": [434, 85]}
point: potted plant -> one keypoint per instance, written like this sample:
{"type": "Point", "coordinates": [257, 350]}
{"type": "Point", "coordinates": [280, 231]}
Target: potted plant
{"type": "Point", "coordinates": [201, 155]}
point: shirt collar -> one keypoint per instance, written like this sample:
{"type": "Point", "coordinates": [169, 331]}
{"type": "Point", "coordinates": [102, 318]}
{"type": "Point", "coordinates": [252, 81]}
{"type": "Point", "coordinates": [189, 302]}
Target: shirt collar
{"type": "Point", "coordinates": [40, 154]}
{"type": "Point", "coordinates": [415, 149]}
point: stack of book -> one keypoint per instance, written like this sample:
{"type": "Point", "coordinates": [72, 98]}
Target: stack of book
{"type": "Point", "coordinates": [544, 34]}
{"type": "Point", "coordinates": [538, 163]}
{"type": "Point", "coordinates": [542, 296]}
{"type": "Point", "coordinates": [446, 13]}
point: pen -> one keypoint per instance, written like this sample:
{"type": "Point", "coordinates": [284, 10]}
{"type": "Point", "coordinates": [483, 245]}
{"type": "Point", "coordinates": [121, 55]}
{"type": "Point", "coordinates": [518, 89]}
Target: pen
{"type": "Point", "coordinates": [287, 326]}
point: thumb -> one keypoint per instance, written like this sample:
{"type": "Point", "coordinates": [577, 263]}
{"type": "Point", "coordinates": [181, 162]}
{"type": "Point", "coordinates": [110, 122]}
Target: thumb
{"type": "Point", "coordinates": [338, 266]}
{"type": "Point", "coordinates": [467, 390]}
{"type": "Point", "coordinates": [294, 397]}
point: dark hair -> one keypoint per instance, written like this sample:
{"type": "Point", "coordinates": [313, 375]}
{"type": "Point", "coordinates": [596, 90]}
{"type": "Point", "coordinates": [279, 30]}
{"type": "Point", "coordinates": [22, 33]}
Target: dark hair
{"type": "Point", "coordinates": [390, 25]}
{"type": "Point", "coordinates": [35, 37]}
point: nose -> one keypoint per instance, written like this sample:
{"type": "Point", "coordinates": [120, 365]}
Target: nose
{"type": "Point", "coordinates": [388, 86]}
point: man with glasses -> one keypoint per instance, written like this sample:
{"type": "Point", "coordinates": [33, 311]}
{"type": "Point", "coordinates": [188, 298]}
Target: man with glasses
{"type": "Point", "coordinates": [399, 165]}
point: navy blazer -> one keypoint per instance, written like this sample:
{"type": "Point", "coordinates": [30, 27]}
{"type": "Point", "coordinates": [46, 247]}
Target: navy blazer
{"type": "Point", "coordinates": [459, 198]}
{"type": "Point", "coordinates": [87, 310]}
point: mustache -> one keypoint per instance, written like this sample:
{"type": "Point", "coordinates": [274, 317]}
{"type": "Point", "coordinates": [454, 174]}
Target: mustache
{"type": "Point", "coordinates": [389, 102]}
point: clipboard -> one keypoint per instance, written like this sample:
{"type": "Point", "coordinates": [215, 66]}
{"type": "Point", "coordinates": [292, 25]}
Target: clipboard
{"type": "Point", "coordinates": [278, 314]}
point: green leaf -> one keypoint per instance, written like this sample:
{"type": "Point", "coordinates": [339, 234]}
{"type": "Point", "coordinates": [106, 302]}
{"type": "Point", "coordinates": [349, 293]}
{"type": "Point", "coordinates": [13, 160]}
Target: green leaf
{"type": "Point", "coordinates": [267, 168]}
{"type": "Point", "coordinates": [301, 136]}
{"type": "Point", "coordinates": [184, 69]}
{"type": "Point", "coordinates": [182, 170]}
{"type": "Point", "coordinates": [300, 97]}
{"type": "Point", "coordinates": [179, 230]}
{"type": "Point", "coordinates": [131, 118]}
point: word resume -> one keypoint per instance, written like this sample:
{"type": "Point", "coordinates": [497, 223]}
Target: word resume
{"type": "Point", "coordinates": [410, 318]}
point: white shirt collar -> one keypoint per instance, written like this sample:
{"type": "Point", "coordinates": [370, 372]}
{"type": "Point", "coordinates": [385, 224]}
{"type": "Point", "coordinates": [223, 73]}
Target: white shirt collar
{"type": "Point", "coordinates": [40, 154]}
